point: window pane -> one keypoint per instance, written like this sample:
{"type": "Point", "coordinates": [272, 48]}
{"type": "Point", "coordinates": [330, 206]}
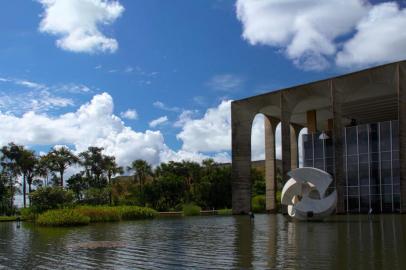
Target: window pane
{"type": "Point", "coordinates": [362, 139]}
{"type": "Point", "coordinates": [385, 136]}
{"type": "Point", "coordinates": [373, 138]}
{"type": "Point", "coordinates": [351, 138]}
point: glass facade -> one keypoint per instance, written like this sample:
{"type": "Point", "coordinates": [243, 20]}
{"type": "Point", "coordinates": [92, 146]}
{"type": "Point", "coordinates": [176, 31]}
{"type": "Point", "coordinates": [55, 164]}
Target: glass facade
{"type": "Point", "coordinates": [371, 165]}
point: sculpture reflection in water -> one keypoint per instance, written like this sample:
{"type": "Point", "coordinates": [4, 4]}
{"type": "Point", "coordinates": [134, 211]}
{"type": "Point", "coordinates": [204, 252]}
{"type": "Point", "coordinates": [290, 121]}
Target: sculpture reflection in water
{"type": "Point", "coordinates": [305, 194]}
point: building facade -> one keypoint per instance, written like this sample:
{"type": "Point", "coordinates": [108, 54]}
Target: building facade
{"type": "Point", "coordinates": [356, 131]}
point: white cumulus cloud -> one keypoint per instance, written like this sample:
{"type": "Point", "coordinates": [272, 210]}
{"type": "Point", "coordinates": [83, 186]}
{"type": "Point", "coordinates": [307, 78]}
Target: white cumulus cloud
{"type": "Point", "coordinates": [380, 37]}
{"type": "Point", "coordinates": [129, 114]}
{"type": "Point", "coordinates": [78, 23]}
{"type": "Point", "coordinates": [159, 121]}
{"type": "Point", "coordinates": [316, 33]}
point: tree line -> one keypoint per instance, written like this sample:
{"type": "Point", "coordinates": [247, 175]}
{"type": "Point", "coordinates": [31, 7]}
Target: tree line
{"type": "Point", "coordinates": [100, 181]}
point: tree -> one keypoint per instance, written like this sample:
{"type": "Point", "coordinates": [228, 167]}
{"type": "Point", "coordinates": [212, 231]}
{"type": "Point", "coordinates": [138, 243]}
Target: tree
{"type": "Point", "coordinates": [141, 170]}
{"type": "Point", "coordinates": [111, 167]}
{"type": "Point", "coordinates": [11, 155]}
{"type": "Point", "coordinates": [27, 163]}
{"type": "Point", "coordinates": [59, 160]}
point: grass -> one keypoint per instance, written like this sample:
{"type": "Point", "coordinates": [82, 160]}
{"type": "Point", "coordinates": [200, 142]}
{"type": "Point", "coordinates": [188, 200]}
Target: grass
{"type": "Point", "coordinates": [225, 212]}
{"type": "Point", "coordinates": [191, 209]}
{"type": "Point", "coordinates": [8, 218]}
{"type": "Point", "coordinates": [84, 215]}
{"type": "Point", "coordinates": [62, 217]}
{"type": "Point", "coordinates": [100, 213]}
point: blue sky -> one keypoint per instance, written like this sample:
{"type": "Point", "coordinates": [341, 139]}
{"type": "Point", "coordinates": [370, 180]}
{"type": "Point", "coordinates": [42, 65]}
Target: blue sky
{"type": "Point", "coordinates": [170, 60]}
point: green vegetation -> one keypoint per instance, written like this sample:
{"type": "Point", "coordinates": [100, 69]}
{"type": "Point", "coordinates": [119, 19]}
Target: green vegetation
{"type": "Point", "coordinates": [8, 218]}
{"type": "Point", "coordinates": [224, 212]}
{"type": "Point", "coordinates": [47, 198]}
{"type": "Point", "coordinates": [258, 204]}
{"type": "Point", "coordinates": [27, 214]}
{"type": "Point", "coordinates": [82, 215]}
{"type": "Point", "coordinates": [191, 209]}
{"type": "Point", "coordinates": [172, 186]}
{"type": "Point", "coordinates": [62, 217]}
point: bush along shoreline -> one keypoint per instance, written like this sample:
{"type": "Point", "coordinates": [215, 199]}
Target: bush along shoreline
{"type": "Point", "coordinates": [83, 215]}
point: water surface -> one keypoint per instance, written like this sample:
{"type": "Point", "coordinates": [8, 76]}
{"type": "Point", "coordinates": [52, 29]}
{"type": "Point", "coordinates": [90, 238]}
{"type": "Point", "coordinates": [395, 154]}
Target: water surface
{"type": "Point", "coordinates": [268, 242]}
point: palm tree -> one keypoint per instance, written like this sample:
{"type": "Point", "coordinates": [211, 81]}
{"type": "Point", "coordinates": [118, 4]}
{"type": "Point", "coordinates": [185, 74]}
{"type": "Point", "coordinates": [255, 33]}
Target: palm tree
{"type": "Point", "coordinates": [60, 159]}
{"type": "Point", "coordinates": [111, 167]}
{"type": "Point", "coordinates": [27, 163]}
{"type": "Point", "coordinates": [141, 170]}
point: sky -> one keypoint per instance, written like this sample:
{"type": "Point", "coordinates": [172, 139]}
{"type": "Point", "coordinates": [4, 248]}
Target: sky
{"type": "Point", "coordinates": [154, 79]}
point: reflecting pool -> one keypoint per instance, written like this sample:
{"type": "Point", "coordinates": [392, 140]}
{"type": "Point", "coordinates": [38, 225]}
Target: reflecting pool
{"type": "Point", "coordinates": [214, 242]}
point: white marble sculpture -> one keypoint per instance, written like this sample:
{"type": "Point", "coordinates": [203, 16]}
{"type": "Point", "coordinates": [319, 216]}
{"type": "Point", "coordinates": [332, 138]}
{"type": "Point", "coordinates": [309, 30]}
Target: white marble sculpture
{"type": "Point", "coordinates": [305, 194]}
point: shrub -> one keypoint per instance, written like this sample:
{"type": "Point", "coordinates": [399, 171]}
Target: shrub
{"type": "Point", "coordinates": [100, 213]}
{"type": "Point", "coordinates": [27, 213]}
{"type": "Point", "coordinates": [62, 217]}
{"type": "Point", "coordinates": [258, 204]}
{"type": "Point", "coordinates": [225, 212]}
{"type": "Point", "coordinates": [136, 212]}
{"type": "Point", "coordinates": [191, 209]}
{"type": "Point", "coordinates": [46, 198]}
{"type": "Point", "coordinates": [8, 218]}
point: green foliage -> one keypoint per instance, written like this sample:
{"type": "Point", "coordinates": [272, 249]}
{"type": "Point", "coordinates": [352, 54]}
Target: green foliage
{"type": "Point", "coordinates": [278, 197]}
{"type": "Point", "coordinates": [96, 196]}
{"type": "Point", "coordinates": [214, 189]}
{"type": "Point", "coordinates": [136, 212]}
{"type": "Point", "coordinates": [191, 209]}
{"type": "Point", "coordinates": [258, 182]}
{"type": "Point", "coordinates": [46, 198]}
{"type": "Point", "coordinates": [165, 193]}
{"type": "Point", "coordinates": [258, 204]}
{"type": "Point", "coordinates": [100, 213]}
{"type": "Point", "coordinates": [225, 212]}
{"type": "Point", "coordinates": [8, 218]}
{"type": "Point", "coordinates": [84, 214]}
{"type": "Point", "coordinates": [62, 217]}
{"type": "Point", "coordinates": [27, 213]}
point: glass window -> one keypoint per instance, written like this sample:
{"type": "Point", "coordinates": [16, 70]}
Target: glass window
{"type": "Point", "coordinates": [387, 189]}
{"type": "Point", "coordinates": [395, 135]}
{"type": "Point", "coordinates": [328, 147]}
{"type": "Point", "coordinates": [385, 136]}
{"type": "Point", "coordinates": [387, 203]}
{"type": "Point", "coordinates": [386, 173]}
{"type": "Point", "coordinates": [374, 173]}
{"type": "Point", "coordinates": [353, 191]}
{"type": "Point", "coordinates": [362, 139]}
{"type": "Point", "coordinates": [376, 203]}
{"type": "Point", "coordinates": [351, 140]}
{"type": "Point", "coordinates": [363, 174]}
{"type": "Point", "coordinates": [373, 138]}
{"type": "Point", "coordinates": [318, 146]}
{"type": "Point", "coordinates": [364, 204]}
{"type": "Point", "coordinates": [353, 204]}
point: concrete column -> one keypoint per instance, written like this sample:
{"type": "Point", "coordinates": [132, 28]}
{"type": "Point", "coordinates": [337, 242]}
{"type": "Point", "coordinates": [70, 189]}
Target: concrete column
{"type": "Point", "coordinates": [401, 84]}
{"type": "Point", "coordinates": [337, 132]}
{"type": "Point", "coordinates": [270, 163]}
{"type": "Point", "coordinates": [294, 148]}
{"type": "Point", "coordinates": [311, 119]}
{"type": "Point", "coordinates": [285, 130]}
{"type": "Point", "coordinates": [241, 158]}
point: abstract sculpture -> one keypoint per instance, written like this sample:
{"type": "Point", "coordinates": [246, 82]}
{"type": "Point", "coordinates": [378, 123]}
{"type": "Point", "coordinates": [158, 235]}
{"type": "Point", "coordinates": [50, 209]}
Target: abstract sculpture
{"type": "Point", "coordinates": [305, 194]}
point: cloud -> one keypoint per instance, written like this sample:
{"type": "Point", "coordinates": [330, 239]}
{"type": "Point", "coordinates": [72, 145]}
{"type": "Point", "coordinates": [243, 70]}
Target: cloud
{"type": "Point", "coordinates": [315, 33]}
{"type": "Point", "coordinates": [184, 117]}
{"type": "Point", "coordinates": [92, 124]}
{"type": "Point", "coordinates": [29, 84]}
{"type": "Point", "coordinates": [32, 101]}
{"type": "Point", "coordinates": [225, 82]}
{"type": "Point", "coordinates": [159, 121]}
{"type": "Point", "coordinates": [162, 106]}
{"type": "Point", "coordinates": [129, 114]}
{"type": "Point", "coordinates": [212, 133]}
{"type": "Point", "coordinates": [380, 37]}
{"type": "Point", "coordinates": [78, 23]}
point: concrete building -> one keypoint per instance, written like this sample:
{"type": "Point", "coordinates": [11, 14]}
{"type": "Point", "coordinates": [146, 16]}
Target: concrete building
{"type": "Point", "coordinates": [356, 131]}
